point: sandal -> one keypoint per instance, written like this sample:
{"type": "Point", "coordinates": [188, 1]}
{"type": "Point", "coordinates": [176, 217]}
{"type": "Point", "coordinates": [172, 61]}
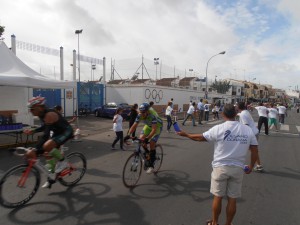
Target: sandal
{"type": "Point", "coordinates": [209, 222]}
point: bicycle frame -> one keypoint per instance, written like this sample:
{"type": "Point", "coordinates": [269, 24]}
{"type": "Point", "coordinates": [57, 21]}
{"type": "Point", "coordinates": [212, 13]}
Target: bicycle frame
{"type": "Point", "coordinates": [41, 168]}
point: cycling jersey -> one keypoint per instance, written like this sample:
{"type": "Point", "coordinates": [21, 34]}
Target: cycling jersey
{"type": "Point", "coordinates": [62, 130]}
{"type": "Point", "coordinates": [152, 118]}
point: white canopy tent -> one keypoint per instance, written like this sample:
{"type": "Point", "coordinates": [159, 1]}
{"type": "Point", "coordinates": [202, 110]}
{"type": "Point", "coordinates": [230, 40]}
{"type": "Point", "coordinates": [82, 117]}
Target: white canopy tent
{"type": "Point", "coordinates": [13, 72]}
{"type": "Point", "coordinates": [17, 81]}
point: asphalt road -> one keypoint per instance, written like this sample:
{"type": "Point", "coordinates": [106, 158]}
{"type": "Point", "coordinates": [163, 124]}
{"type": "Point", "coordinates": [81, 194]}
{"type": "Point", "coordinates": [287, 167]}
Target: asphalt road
{"type": "Point", "coordinates": [177, 195]}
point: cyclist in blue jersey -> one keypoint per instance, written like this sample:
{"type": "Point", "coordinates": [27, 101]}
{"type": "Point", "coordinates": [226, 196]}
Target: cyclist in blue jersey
{"type": "Point", "coordinates": [150, 133]}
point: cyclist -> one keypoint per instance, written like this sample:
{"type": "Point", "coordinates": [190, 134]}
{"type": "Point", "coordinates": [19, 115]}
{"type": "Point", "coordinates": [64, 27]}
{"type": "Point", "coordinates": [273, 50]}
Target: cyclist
{"type": "Point", "coordinates": [48, 145]}
{"type": "Point", "coordinates": [150, 133]}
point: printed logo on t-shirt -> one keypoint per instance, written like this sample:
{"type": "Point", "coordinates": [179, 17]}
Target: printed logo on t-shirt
{"type": "Point", "coordinates": [238, 138]}
{"type": "Point", "coordinates": [227, 132]}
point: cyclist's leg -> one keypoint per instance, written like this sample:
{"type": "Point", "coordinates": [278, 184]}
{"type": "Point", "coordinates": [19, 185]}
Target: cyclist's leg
{"type": "Point", "coordinates": [153, 142]}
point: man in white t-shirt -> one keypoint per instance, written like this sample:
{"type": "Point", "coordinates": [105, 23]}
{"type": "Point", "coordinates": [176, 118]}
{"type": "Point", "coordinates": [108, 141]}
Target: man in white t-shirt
{"type": "Point", "coordinates": [263, 117]}
{"type": "Point", "coordinates": [246, 119]}
{"type": "Point", "coordinates": [281, 111]}
{"type": "Point", "coordinates": [232, 140]}
{"type": "Point", "coordinates": [190, 113]}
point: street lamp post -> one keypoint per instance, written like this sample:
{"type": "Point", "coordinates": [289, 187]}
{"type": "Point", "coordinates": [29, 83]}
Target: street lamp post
{"type": "Point", "coordinates": [206, 90]}
{"type": "Point", "coordinates": [156, 62]}
{"type": "Point", "coordinates": [78, 32]}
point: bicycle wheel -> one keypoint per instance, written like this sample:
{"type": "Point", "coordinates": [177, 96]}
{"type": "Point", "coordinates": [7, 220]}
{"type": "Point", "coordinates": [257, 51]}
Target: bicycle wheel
{"type": "Point", "coordinates": [159, 158]}
{"type": "Point", "coordinates": [132, 170]}
{"type": "Point", "coordinates": [75, 171]}
{"type": "Point", "coordinates": [18, 186]}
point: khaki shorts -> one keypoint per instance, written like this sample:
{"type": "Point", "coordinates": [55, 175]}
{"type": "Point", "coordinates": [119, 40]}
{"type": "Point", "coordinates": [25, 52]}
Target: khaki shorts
{"type": "Point", "coordinates": [227, 181]}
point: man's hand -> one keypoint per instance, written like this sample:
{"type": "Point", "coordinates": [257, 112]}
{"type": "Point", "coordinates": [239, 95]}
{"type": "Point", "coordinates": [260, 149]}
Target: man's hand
{"type": "Point", "coordinates": [146, 141]}
{"type": "Point", "coordinates": [28, 131]}
{"type": "Point", "coordinates": [31, 154]}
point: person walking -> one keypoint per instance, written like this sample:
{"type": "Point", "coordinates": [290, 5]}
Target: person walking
{"type": "Point", "coordinates": [200, 107]}
{"type": "Point", "coordinates": [263, 117]}
{"type": "Point", "coordinates": [232, 140]}
{"type": "Point", "coordinates": [206, 110]}
{"type": "Point", "coordinates": [168, 114]}
{"type": "Point", "coordinates": [246, 119]}
{"type": "Point", "coordinates": [190, 113]}
{"type": "Point", "coordinates": [273, 114]}
{"type": "Point", "coordinates": [118, 129]}
{"type": "Point", "coordinates": [282, 111]}
{"type": "Point", "coordinates": [132, 116]}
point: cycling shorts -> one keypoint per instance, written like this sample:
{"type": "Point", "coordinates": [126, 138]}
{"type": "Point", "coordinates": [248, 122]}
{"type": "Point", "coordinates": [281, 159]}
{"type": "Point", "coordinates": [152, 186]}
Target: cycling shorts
{"type": "Point", "coordinates": [147, 130]}
{"type": "Point", "coordinates": [62, 138]}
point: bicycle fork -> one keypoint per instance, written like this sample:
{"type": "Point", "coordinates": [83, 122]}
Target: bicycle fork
{"type": "Point", "coordinates": [25, 174]}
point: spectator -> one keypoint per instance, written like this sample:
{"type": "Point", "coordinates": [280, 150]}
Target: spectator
{"type": "Point", "coordinates": [60, 110]}
{"type": "Point", "coordinates": [273, 113]}
{"type": "Point", "coordinates": [206, 110]}
{"type": "Point", "coordinates": [118, 129]}
{"type": "Point", "coordinates": [190, 113]}
{"type": "Point", "coordinates": [132, 116]}
{"type": "Point", "coordinates": [246, 119]}
{"type": "Point", "coordinates": [168, 114]}
{"type": "Point", "coordinates": [200, 108]}
{"type": "Point", "coordinates": [282, 111]}
{"type": "Point", "coordinates": [172, 103]}
{"type": "Point", "coordinates": [230, 152]}
{"type": "Point", "coordinates": [263, 117]}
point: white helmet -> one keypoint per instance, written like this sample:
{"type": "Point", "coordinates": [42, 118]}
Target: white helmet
{"type": "Point", "coordinates": [36, 101]}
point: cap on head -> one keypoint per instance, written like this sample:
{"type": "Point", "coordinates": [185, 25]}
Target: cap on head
{"type": "Point", "coordinates": [144, 107]}
{"type": "Point", "coordinates": [36, 101]}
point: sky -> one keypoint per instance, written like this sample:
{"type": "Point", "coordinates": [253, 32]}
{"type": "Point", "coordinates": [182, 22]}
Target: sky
{"type": "Point", "coordinates": [260, 37]}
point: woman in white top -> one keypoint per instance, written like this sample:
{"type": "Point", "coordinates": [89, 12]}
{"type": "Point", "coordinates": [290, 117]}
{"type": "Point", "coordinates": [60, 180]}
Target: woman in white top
{"type": "Point", "coordinates": [169, 110]}
{"type": "Point", "coordinates": [118, 129]}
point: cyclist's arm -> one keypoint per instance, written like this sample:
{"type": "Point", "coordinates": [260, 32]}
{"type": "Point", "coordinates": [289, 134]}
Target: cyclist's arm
{"type": "Point", "coordinates": [133, 128]}
{"type": "Point", "coordinates": [194, 137]}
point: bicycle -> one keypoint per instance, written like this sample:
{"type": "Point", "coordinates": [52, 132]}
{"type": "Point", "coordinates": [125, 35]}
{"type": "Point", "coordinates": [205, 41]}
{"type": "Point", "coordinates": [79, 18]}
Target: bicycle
{"type": "Point", "coordinates": [20, 183]}
{"type": "Point", "coordinates": [136, 161]}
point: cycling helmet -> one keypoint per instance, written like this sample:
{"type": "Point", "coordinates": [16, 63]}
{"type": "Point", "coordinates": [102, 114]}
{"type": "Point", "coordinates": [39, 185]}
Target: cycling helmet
{"type": "Point", "coordinates": [144, 107]}
{"type": "Point", "coordinates": [36, 101]}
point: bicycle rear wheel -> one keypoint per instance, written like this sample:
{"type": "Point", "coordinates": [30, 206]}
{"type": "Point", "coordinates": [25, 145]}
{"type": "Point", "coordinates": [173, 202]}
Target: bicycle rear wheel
{"type": "Point", "coordinates": [159, 158]}
{"type": "Point", "coordinates": [132, 170]}
{"type": "Point", "coordinates": [18, 186]}
{"type": "Point", "coordinates": [75, 171]}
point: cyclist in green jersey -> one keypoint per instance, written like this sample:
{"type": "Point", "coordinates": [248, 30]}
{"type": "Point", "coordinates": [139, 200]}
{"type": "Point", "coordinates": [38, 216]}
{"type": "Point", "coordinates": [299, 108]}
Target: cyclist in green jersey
{"type": "Point", "coordinates": [150, 133]}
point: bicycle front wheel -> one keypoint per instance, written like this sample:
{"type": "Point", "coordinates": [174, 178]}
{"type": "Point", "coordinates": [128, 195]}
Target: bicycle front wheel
{"type": "Point", "coordinates": [18, 186]}
{"type": "Point", "coordinates": [132, 170]}
{"type": "Point", "coordinates": [75, 170]}
{"type": "Point", "coordinates": [159, 158]}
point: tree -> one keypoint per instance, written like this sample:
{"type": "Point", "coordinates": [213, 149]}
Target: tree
{"type": "Point", "coordinates": [1, 30]}
{"type": "Point", "coordinates": [221, 86]}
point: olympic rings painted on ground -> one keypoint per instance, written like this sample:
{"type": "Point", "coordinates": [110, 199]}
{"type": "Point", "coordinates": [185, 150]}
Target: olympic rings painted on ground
{"type": "Point", "coordinates": [155, 95]}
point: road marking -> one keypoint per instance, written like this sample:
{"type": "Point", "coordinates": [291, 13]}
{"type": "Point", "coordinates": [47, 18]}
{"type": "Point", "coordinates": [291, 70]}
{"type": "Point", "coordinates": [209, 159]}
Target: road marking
{"type": "Point", "coordinates": [298, 128]}
{"type": "Point", "coordinates": [284, 127]}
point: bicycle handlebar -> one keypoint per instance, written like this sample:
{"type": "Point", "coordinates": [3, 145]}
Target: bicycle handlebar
{"type": "Point", "coordinates": [19, 151]}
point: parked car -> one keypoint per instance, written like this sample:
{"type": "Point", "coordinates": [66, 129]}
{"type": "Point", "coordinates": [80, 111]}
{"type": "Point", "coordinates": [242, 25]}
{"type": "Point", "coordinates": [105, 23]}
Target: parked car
{"type": "Point", "coordinates": [109, 110]}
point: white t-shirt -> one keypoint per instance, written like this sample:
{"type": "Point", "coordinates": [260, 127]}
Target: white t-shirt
{"type": "Point", "coordinates": [281, 109]}
{"type": "Point", "coordinates": [118, 124]}
{"type": "Point", "coordinates": [169, 111]}
{"type": "Point", "coordinates": [262, 111]}
{"type": "Point", "coordinates": [246, 118]}
{"type": "Point", "coordinates": [191, 109]}
{"type": "Point", "coordinates": [232, 140]}
{"type": "Point", "coordinates": [273, 113]}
